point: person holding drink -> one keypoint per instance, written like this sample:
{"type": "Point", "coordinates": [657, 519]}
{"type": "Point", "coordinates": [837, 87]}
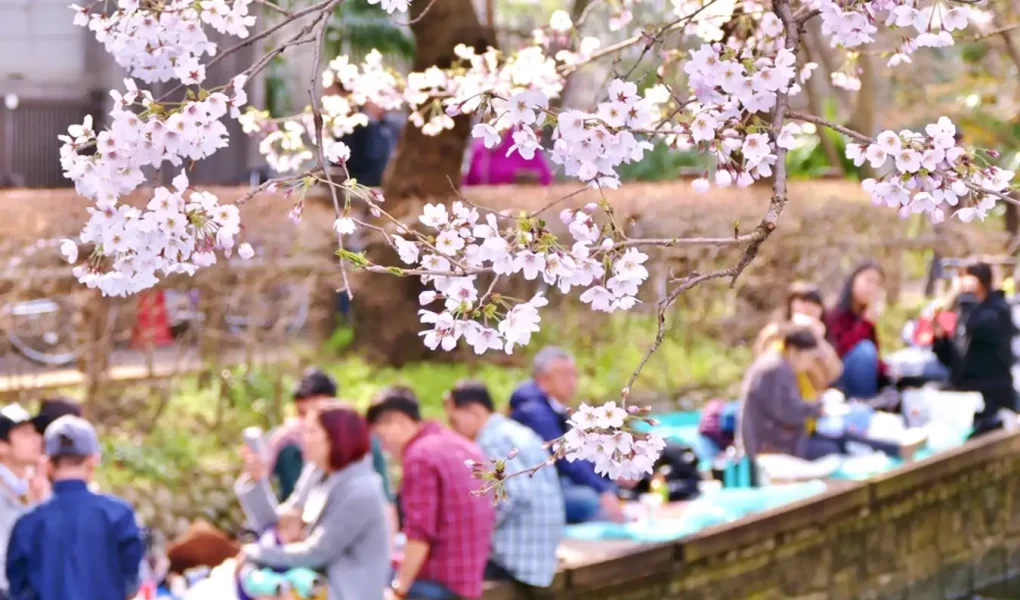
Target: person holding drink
{"type": "Point", "coordinates": [979, 353]}
{"type": "Point", "coordinates": [853, 333]}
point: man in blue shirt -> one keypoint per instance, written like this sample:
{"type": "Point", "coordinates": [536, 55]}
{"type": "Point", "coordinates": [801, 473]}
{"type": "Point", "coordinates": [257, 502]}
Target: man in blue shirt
{"type": "Point", "coordinates": [541, 404]}
{"type": "Point", "coordinates": [529, 520]}
{"type": "Point", "coordinates": [78, 545]}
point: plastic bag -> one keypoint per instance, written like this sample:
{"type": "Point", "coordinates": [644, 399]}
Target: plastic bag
{"type": "Point", "coordinates": [784, 468]}
{"type": "Point", "coordinates": [220, 585]}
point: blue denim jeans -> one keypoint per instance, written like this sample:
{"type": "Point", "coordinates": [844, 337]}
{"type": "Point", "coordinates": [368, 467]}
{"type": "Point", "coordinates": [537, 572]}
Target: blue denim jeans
{"type": "Point", "coordinates": [429, 590]}
{"type": "Point", "coordinates": [860, 371]}
{"type": "Point", "coordinates": [581, 503]}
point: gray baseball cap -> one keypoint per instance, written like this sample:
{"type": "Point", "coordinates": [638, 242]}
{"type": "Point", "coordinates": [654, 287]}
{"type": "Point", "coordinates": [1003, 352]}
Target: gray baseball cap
{"type": "Point", "coordinates": [71, 436]}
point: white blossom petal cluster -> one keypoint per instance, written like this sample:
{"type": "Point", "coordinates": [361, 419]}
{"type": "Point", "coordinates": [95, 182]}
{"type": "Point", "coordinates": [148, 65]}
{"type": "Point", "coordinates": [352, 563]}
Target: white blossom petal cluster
{"type": "Point", "coordinates": [433, 96]}
{"type": "Point", "coordinates": [930, 173]}
{"type": "Point", "coordinates": [165, 40]}
{"type": "Point", "coordinates": [463, 246]}
{"type": "Point", "coordinates": [730, 89]}
{"type": "Point", "coordinates": [176, 232]}
{"type": "Point", "coordinates": [605, 435]}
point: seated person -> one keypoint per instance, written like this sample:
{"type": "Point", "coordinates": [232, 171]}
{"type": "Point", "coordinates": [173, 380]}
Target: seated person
{"type": "Point", "coordinates": [315, 390]}
{"type": "Point", "coordinates": [448, 527]}
{"type": "Point", "coordinates": [804, 306]}
{"type": "Point", "coordinates": [258, 582]}
{"type": "Point", "coordinates": [541, 405]}
{"type": "Point", "coordinates": [774, 417]}
{"type": "Point", "coordinates": [529, 518]}
{"type": "Point", "coordinates": [980, 354]}
{"type": "Point", "coordinates": [852, 331]}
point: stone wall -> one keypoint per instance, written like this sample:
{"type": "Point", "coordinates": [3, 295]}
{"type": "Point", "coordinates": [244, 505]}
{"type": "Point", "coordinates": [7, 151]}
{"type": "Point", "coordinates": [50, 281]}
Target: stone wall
{"type": "Point", "coordinates": [940, 528]}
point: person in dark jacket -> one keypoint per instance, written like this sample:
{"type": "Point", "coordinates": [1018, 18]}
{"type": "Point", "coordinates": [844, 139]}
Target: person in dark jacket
{"type": "Point", "coordinates": [851, 330]}
{"type": "Point", "coordinates": [371, 146]}
{"type": "Point", "coordinates": [541, 404]}
{"type": "Point", "coordinates": [980, 353]}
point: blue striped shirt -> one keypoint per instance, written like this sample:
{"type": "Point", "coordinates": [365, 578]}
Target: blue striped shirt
{"type": "Point", "coordinates": [529, 523]}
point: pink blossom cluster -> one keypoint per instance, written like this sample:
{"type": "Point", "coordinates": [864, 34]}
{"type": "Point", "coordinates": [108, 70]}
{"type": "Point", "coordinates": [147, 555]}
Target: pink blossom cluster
{"type": "Point", "coordinates": [855, 23]}
{"type": "Point", "coordinates": [930, 173]}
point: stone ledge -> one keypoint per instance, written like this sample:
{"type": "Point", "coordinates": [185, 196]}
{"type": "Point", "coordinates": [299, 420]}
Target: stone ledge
{"type": "Point", "coordinates": [948, 523]}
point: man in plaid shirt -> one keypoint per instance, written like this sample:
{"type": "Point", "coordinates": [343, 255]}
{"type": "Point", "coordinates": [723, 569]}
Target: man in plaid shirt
{"type": "Point", "coordinates": [448, 529]}
{"type": "Point", "coordinates": [529, 522]}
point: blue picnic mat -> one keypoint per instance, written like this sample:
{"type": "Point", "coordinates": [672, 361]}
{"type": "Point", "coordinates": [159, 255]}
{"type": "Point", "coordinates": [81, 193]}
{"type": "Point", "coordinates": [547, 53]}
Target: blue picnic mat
{"type": "Point", "coordinates": [712, 508]}
{"type": "Point", "coordinates": [683, 427]}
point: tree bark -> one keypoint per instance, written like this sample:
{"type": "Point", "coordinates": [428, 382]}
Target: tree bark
{"type": "Point", "coordinates": [422, 169]}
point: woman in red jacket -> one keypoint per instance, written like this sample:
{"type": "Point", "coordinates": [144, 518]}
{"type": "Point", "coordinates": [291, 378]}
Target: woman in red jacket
{"type": "Point", "coordinates": [851, 329]}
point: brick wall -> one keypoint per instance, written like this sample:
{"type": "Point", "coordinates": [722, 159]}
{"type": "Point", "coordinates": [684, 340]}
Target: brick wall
{"type": "Point", "coordinates": [941, 528]}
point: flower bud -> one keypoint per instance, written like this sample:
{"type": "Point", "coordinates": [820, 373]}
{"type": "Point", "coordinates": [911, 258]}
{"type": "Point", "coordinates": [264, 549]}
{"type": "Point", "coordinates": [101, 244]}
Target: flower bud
{"type": "Point", "coordinates": [591, 207]}
{"type": "Point", "coordinates": [566, 216]}
{"type": "Point", "coordinates": [513, 454]}
{"type": "Point", "coordinates": [607, 244]}
{"type": "Point", "coordinates": [452, 110]}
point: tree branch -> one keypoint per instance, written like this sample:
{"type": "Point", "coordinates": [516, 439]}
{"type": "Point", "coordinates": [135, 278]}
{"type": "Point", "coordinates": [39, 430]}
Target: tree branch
{"type": "Point", "coordinates": [850, 133]}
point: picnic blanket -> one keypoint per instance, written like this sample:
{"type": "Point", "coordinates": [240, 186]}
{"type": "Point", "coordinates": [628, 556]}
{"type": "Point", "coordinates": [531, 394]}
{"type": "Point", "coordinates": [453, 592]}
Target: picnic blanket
{"type": "Point", "coordinates": [712, 508]}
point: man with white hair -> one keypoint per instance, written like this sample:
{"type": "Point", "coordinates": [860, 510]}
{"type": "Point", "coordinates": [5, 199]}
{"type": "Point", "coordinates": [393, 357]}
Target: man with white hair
{"type": "Point", "coordinates": [541, 404]}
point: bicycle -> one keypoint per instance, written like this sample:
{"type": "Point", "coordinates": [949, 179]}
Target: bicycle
{"type": "Point", "coordinates": [43, 330]}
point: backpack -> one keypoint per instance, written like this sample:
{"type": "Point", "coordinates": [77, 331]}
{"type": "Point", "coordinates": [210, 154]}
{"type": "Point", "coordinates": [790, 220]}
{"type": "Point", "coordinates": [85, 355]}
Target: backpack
{"type": "Point", "coordinates": [682, 477]}
{"type": "Point", "coordinates": [719, 422]}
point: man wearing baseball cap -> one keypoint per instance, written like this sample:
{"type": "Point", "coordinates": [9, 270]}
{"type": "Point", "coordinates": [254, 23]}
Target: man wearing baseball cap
{"type": "Point", "coordinates": [20, 451]}
{"type": "Point", "coordinates": [78, 544]}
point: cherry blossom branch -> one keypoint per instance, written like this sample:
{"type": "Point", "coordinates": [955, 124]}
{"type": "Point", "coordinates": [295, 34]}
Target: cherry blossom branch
{"type": "Point", "coordinates": [324, 5]}
{"type": "Point", "coordinates": [274, 7]}
{"type": "Point", "coordinates": [259, 36]}
{"type": "Point", "coordinates": [850, 133]}
{"type": "Point", "coordinates": [636, 39]}
{"type": "Point", "coordinates": [419, 17]}
{"type": "Point", "coordinates": [778, 200]}
{"type": "Point", "coordinates": [694, 241]}
{"type": "Point", "coordinates": [865, 140]}
{"type": "Point", "coordinates": [1005, 29]}
{"type": "Point", "coordinates": [685, 284]}
{"type": "Point", "coordinates": [313, 92]}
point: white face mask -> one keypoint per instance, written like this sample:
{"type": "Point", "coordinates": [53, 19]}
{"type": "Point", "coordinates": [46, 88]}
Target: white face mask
{"type": "Point", "coordinates": [19, 487]}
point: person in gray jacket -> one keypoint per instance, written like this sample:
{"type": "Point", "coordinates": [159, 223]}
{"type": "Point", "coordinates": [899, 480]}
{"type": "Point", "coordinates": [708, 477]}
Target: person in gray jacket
{"type": "Point", "coordinates": [772, 412]}
{"type": "Point", "coordinates": [20, 487]}
{"type": "Point", "coordinates": [341, 501]}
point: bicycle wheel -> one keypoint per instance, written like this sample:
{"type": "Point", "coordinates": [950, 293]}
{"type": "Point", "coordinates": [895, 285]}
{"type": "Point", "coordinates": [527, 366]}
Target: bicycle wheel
{"type": "Point", "coordinates": [281, 307]}
{"type": "Point", "coordinates": [43, 330]}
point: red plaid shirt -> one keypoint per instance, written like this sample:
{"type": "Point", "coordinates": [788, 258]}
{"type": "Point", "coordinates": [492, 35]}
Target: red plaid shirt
{"type": "Point", "coordinates": [440, 510]}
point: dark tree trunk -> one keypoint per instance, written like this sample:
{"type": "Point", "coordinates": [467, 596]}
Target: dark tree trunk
{"type": "Point", "coordinates": [423, 169]}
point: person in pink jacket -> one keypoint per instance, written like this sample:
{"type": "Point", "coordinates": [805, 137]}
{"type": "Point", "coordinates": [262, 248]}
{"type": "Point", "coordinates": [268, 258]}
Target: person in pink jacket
{"type": "Point", "coordinates": [494, 167]}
